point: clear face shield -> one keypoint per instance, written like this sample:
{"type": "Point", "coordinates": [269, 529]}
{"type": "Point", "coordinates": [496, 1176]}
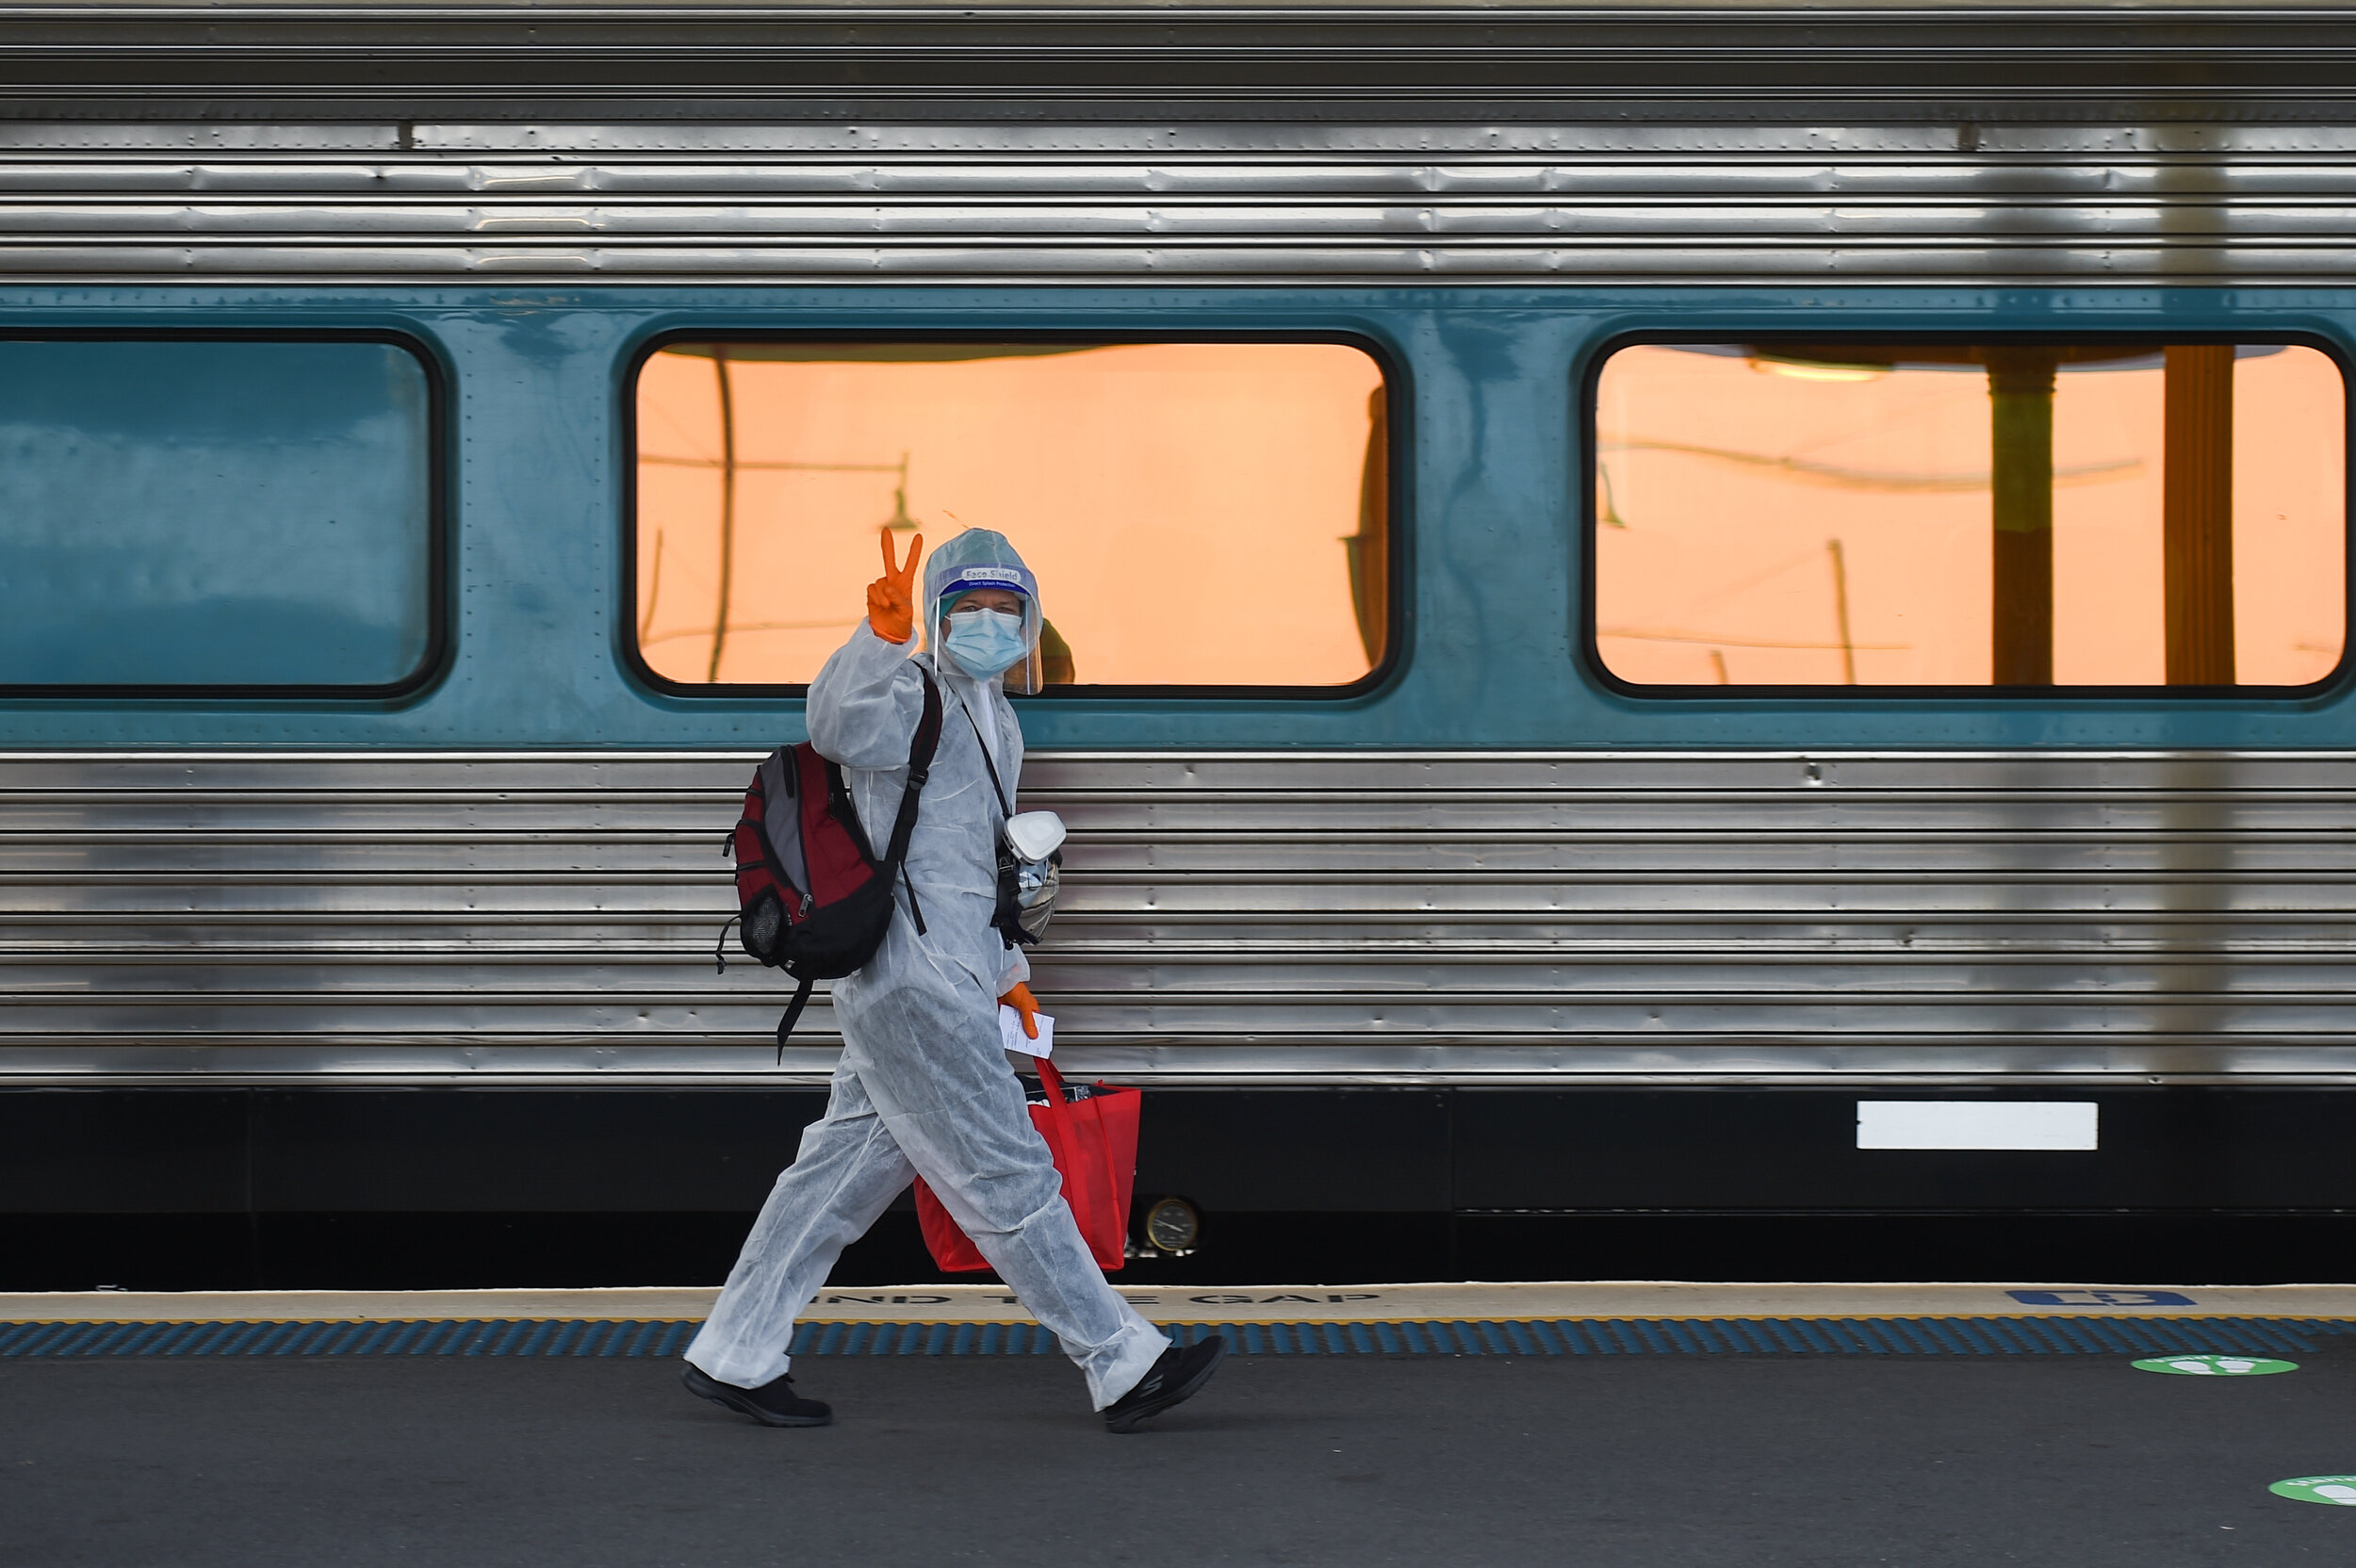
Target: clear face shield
{"type": "Point", "coordinates": [982, 617]}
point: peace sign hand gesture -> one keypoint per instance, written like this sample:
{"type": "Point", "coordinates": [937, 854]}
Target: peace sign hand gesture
{"type": "Point", "coordinates": [891, 597]}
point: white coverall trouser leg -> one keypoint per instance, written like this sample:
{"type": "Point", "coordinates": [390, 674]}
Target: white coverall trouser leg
{"type": "Point", "coordinates": [936, 1098]}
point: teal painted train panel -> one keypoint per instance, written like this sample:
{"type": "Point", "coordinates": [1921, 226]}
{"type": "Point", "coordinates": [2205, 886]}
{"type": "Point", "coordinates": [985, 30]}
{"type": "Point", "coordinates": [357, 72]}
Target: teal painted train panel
{"type": "Point", "coordinates": [1488, 513]}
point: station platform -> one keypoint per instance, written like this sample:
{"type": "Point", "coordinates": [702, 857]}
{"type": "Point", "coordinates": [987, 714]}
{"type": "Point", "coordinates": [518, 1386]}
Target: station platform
{"type": "Point", "coordinates": [1629, 1425]}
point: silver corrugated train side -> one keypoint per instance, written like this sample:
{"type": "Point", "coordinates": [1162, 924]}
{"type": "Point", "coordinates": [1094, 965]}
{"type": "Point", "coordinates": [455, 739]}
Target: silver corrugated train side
{"type": "Point", "coordinates": [1394, 918]}
{"type": "Point", "coordinates": [1407, 918]}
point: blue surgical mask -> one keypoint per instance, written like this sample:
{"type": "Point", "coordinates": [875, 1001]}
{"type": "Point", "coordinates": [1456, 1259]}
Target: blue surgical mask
{"type": "Point", "coordinates": [986, 642]}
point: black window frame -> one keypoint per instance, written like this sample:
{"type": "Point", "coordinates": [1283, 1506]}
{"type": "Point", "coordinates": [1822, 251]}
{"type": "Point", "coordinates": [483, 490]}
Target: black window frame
{"type": "Point", "coordinates": [435, 659]}
{"type": "Point", "coordinates": [1398, 551]}
{"type": "Point", "coordinates": [1588, 381]}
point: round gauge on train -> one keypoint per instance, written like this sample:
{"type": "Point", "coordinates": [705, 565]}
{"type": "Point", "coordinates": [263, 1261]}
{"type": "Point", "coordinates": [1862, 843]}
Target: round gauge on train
{"type": "Point", "coordinates": [1172, 1225]}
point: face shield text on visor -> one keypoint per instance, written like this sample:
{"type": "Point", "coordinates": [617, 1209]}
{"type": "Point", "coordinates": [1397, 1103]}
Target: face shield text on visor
{"type": "Point", "coordinates": [975, 641]}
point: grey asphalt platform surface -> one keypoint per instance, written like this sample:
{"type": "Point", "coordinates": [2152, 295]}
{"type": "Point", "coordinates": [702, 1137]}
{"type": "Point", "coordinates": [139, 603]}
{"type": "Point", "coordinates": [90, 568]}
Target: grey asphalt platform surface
{"type": "Point", "coordinates": [1644, 1462]}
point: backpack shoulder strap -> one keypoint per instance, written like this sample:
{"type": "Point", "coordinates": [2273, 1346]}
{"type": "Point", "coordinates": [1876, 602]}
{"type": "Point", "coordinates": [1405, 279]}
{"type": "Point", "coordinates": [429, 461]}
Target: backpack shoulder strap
{"type": "Point", "coordinates": [921, 748]}
{"type": "Point", "coordinates": [792, 1015]}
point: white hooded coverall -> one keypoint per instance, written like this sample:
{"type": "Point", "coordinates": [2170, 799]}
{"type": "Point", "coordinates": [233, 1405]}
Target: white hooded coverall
{"type": "Point", "coordinates": [923, 1087]}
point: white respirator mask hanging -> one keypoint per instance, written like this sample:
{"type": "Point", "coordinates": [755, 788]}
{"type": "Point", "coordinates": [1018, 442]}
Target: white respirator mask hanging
{"type": "Point", "coordinates": [1030, 875]}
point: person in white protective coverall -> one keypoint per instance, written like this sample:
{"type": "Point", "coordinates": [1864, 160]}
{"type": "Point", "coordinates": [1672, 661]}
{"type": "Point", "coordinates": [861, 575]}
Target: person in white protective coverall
{"type": "Point", "coordinates": [925, 1088]}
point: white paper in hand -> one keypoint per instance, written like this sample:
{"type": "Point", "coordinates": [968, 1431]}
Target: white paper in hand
{"type": "Point", "coordinates": [1010, 1032]}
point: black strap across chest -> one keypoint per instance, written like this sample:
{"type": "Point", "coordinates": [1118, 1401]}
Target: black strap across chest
{"type": "Point", "coordinates": [920, 747]}
{"type": "Point", "coordinates": [1006, 806]}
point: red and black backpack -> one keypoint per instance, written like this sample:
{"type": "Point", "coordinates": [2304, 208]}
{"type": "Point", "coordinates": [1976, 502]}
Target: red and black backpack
{"type": "Point", "coordinates": [813, 899]}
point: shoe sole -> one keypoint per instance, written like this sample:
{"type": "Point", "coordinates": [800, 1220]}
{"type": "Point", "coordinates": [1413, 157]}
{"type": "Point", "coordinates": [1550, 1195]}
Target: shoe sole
{"type": "Point", "coordinates": [705, 1386]}
{"type": "Point", "coordinates": [1175, 1397]}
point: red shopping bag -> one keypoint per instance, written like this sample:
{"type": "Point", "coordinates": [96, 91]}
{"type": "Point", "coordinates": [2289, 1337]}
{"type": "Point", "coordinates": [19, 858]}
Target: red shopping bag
{"type": "Point", "coordinates": [1095, 1145]}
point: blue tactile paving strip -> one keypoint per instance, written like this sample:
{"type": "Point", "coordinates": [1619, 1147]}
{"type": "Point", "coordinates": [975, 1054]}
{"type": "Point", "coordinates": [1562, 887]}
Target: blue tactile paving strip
{"type": "Point", "coordinates": [1557, 1336]}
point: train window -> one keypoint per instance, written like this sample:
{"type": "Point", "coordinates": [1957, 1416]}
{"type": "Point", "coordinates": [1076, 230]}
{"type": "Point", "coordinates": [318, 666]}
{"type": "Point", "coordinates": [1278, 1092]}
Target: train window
{"type": "Point", "coordinates": [214, 513]}
{"type": "Point", "coordinates": [1248, 481]}
{"type": "Point", "coordinates": [1954, 514]}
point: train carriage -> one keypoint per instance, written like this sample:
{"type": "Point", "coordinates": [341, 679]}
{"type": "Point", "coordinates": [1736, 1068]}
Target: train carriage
{"type": "Point", "coordinates": [1691, 642]}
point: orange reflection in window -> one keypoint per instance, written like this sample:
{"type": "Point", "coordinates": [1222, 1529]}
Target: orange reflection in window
{"type": "Point", "coordinates": [1197, 513]}
{"type": "Point", "coordinates": [1770, 522]}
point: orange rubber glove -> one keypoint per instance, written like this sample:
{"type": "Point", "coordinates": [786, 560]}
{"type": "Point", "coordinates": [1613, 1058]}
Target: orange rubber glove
{"type": "Point", "coordinates": [1022, 1002]}
{"type": "Point", "coordinates": [891, 597]}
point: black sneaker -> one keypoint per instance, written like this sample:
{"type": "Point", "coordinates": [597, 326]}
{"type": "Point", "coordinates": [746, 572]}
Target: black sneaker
{"type": "Point", "coordinates": [1170, 1380]}
{"type": "Point", "coordinates": [773, 1404]}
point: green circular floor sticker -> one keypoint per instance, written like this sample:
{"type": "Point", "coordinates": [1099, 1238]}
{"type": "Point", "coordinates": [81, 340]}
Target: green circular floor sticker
{"type": "Point", "coordinates": [2339, 1491]}
{"type": "Point", "coordinates": [2218, 1367]}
